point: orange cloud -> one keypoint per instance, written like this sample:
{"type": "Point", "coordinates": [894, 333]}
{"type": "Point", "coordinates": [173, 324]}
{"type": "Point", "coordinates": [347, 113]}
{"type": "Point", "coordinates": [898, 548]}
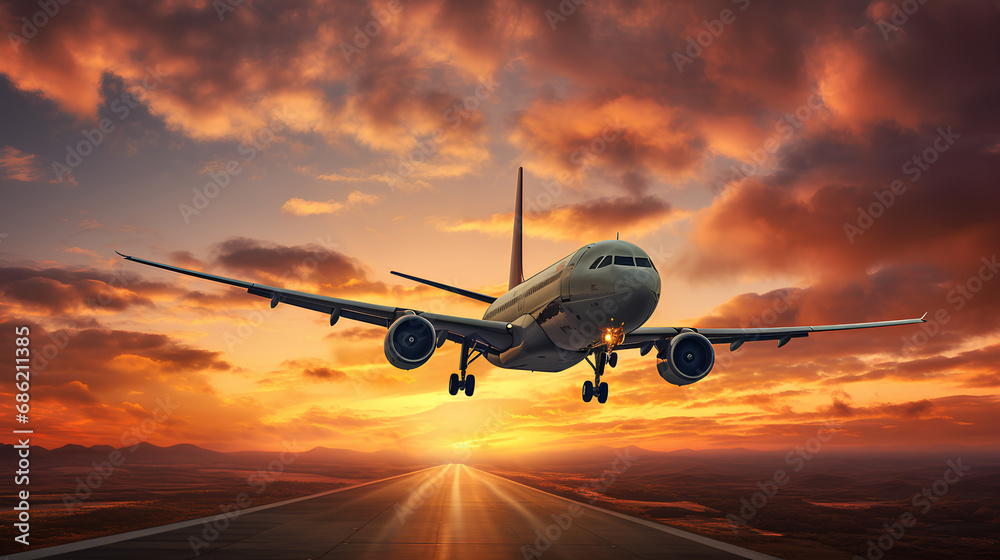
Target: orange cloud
{"type": "Point", "coordinates": [27, 168]}
{"type": "Point", "coordinates": [300, 207]}
{"type": "Point", "coordinates": [585, 222]}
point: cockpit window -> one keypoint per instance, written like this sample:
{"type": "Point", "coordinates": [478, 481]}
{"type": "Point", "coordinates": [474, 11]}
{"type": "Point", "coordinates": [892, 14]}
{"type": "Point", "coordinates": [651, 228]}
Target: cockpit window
{"type": "Point", "coordinates": [597, 262]}
{"type": "Point", "coordinates": [624, 261]}
{"type": "Point", "coordinates": [643, 262]}
{"type": "Point", "coordinates": [605, 262]}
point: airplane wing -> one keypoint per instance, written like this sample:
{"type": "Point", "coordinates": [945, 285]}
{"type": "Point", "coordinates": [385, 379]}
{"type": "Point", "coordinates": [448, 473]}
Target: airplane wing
{"type": "Point", "coordinates": [489, 336]}
{"type": "Point", "coordinates": [645, 338]}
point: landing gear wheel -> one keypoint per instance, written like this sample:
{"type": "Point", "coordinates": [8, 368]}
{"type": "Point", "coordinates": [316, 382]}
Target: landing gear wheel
{"type": "Point", "coordinates": [588, 390]}
{"type": "Point", "coordinates": [602, 393]}
{"type": "Point", "coordinates": [613, 359]}
{"type": "Point", "coordinates": [470, 385]}
{"type": "Point", "coordinates": [453, 384]}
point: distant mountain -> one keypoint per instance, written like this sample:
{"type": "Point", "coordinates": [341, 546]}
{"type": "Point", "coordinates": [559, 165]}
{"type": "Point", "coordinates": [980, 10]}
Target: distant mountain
{"type": "Point", "coordinates": [146, 453]}
{"type": "Point", "coordinates": [587, 459]}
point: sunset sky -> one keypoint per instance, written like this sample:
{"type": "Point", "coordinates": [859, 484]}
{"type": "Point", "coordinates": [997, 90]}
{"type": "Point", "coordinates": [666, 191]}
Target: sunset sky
{"type": "Point", "coordinates": [752, 148]}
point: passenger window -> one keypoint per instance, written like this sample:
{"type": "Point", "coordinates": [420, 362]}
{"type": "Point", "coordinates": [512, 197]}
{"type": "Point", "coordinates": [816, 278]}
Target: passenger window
{"type": "Point", "coordinates": [643, 262]}
{"type": "Point", "coordinates": [597, 262]}
{"type": "Point", "coordinates": [624, 261]}
{"type": "Point", "coordinates": [605, 262]}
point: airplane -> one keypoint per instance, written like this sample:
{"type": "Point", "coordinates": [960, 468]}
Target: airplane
{"type": "Point", "coordinates": [591, 303]}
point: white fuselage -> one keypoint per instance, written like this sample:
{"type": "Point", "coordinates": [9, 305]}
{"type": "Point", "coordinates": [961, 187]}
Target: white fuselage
{"type": "Point", "coordinates": [576, 305]}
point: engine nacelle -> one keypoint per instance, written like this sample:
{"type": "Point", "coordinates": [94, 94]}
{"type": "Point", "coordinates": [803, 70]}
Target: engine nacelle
{"type": "Point", "coordinates": [410, 342]}
{"type": "Point", "coordinates": [690, 356]}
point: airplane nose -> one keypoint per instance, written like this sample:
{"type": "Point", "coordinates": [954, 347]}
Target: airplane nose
{"type": "Point", "coordinates": [638, 290]}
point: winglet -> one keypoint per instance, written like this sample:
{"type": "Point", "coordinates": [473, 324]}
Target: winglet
{"type": "Point", "coordinates": [125, 256]}
{"type": "Point", "coordinates": [516, 269]}
{"type": "Point", "coordinates": [923, 318]}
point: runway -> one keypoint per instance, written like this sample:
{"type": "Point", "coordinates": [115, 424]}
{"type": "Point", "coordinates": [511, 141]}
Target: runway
{"type": "Point", "coordinates": [446, 512]}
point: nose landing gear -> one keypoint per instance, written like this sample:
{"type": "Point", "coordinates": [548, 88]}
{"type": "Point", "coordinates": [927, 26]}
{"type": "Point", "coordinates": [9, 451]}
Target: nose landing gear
{"type": "Point", "coordinates": [598, 388]}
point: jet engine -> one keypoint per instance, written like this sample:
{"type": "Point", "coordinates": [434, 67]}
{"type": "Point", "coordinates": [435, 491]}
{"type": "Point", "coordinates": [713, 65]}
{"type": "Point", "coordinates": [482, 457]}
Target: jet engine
{"type": "Point", "coordinates": [410, 342]}
{"type": "Point", "coordinates": [689, 358]}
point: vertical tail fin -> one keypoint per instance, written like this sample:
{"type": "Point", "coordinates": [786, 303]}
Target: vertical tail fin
{"type": "Point", "coordinates": [516, 269]}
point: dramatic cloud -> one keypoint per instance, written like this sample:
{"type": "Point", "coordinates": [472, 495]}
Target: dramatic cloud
{"type": "Point", "coordinates": [792, 163]}
{"type": "Point", "coordinates": [596, 219]}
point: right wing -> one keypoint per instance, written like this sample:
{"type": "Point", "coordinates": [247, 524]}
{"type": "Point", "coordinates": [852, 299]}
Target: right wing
{"type": "Point", "coordinates": [488, 336]}
{"type": "Point", "coordinates": [644, 337]}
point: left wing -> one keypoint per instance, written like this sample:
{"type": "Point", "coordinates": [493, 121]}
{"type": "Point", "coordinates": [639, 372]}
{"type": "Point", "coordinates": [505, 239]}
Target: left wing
{"type": "Point", "coordinates": [645, 338]}
{"type": "Point", "coordinates": [488, 336]}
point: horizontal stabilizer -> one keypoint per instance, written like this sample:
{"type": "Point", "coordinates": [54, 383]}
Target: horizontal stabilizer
{"type": "Point", "coordinates": [469, 294]}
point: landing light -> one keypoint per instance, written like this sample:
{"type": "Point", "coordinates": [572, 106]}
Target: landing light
{"type": "Point", "coordinates": [613, 336]}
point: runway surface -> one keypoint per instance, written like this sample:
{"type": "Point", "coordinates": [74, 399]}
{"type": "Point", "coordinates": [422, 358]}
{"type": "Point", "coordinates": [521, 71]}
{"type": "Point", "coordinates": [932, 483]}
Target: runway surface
{"type": "Point", "coordinates": [446, 512]}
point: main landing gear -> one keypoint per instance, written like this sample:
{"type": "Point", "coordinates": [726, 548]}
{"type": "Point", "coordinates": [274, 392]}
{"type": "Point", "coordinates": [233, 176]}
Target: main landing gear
{"type": "Point", "coordinates": [465, 383]}
{"type": "Point", "coordinates": [597, 387]}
